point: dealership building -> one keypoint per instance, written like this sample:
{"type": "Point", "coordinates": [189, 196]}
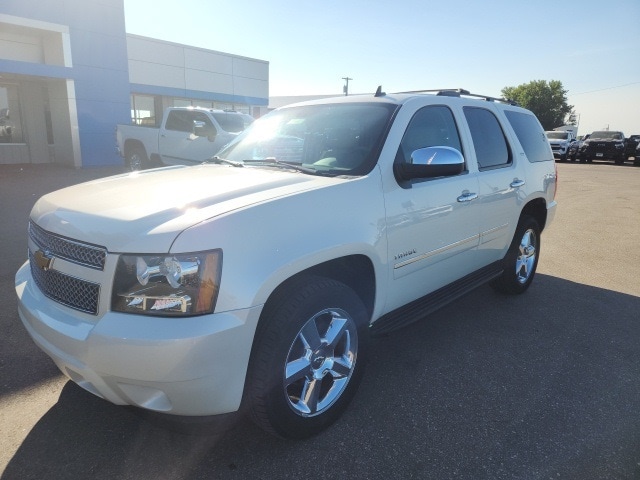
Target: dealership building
{"type": "Point", "coordinates": [69, 73]}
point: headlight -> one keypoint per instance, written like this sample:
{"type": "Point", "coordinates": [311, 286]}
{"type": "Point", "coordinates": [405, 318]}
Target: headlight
{"type": "Point", "coordinates": [167, 285]}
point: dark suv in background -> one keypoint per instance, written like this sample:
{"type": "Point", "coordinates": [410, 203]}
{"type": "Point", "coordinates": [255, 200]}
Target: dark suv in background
{"type": "Point", "coordinates": [630, 146]}
{"type": "Point", "coordinates": [603, 145]}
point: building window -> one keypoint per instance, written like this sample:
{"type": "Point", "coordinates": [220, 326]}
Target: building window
{"type": "Point", "coordinates": [143, 111]}
{"type": "Point", "coordinates": [181, 102]}
{"type": "Point", "coordinates": [10, 123]}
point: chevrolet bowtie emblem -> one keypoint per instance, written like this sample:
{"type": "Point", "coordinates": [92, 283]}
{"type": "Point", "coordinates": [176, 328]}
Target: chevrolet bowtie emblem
{"type": "Point", "coordinates": [43, 260]}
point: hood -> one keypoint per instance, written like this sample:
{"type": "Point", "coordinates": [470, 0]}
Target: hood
{"type": "Point", "coordinates": [557, 141]}
{"type": "Point", "coordinates": [143, 212]}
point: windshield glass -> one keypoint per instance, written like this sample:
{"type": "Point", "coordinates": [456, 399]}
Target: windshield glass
{"type": "Point", "coordinates": [606, 135]}
{"type": "Point", "coordinates": [340, 139]}
{"type": "Point", "coordinates": [557, 135]}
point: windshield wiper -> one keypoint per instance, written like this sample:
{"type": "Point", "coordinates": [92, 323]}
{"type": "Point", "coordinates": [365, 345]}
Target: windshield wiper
{"type": "Point", "coordinates": [274, 162]}
{"type": "Point", "coordinates": [219, 161]}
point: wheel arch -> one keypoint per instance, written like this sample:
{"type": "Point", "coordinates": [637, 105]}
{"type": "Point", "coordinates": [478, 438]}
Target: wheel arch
{"type": "Point", "coordinates": [537, 208]}
{"type": "Point", "coordinates": [355, 271]}
{"type": "Point", "coordinates": [131, 144]}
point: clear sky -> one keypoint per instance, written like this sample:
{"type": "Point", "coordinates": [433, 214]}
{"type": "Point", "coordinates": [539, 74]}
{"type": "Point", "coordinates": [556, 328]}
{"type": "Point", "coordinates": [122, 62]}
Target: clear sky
{"type": "Point", "coordinates": [592, 47]}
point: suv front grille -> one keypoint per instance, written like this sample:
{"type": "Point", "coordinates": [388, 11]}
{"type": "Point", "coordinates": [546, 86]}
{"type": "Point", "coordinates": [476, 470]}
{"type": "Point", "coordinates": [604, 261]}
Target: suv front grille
{"type": "Point", "coordinates": [65, 289]}
{"type": "Point", "coordinates": [91, 256]}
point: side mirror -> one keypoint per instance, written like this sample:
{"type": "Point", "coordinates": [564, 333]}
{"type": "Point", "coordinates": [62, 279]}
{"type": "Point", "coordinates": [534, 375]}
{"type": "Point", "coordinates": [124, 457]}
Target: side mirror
{"type": "Point", "coordinates": [201, 129]}
{"type": "Point", "coordinates": [431, 162]}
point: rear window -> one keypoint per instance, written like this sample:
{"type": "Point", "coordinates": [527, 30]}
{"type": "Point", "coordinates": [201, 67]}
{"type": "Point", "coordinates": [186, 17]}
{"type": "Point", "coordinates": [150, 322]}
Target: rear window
{"type": "Point", "coordinates": [531, 136]}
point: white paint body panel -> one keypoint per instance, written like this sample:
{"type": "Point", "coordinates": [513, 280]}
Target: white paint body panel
{"type": "Point", "coordinates": [270, 226]}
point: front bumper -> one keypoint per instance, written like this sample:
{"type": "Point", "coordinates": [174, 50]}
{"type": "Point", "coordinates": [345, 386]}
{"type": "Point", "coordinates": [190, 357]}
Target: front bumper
{"type": "Point", "coordinates": [604, 152]}
{"type": "Point", "coordinates": [192, 366]}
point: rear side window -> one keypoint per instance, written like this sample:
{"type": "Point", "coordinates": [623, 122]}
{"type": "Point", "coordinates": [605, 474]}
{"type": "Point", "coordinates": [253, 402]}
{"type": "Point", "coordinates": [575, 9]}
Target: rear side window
{"type": "Point", "coordinates": [531, 136]}
{"type": "Point", "coordinates": [492, 150]}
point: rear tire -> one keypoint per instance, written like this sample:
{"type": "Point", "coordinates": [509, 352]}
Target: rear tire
{"type": "Point", "coordinates": [136, 158]}
{"type": "Point", "coordinates": [308, 358]}
{"type": "Point", "coordinates": [521, 260]}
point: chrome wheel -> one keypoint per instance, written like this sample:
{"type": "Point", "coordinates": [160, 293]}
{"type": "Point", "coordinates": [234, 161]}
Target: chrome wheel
{"type": "Point", "coordinates": [320, 362]}
{"type": "Point", "coordinates": [308, 357]}
{"type": "Point", "coordinates": [521, 260]}
{"type": "Point", "coordinates": [135, 162]}
{"type": "Point", "coordinates": [526, 258]}
{"type": "Point", "coordinates": [136, 158]}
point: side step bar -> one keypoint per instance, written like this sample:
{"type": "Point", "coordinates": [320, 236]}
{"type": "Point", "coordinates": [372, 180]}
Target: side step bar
{"type": "Point", "coordinates": [420, 308]}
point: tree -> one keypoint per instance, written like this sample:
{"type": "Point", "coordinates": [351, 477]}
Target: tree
{"type": "Point", "coordinates": [548, 100]}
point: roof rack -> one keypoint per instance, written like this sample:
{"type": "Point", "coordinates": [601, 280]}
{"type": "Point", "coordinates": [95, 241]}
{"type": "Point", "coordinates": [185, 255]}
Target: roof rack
{"type": "Point", "coordinates": [458, 92]}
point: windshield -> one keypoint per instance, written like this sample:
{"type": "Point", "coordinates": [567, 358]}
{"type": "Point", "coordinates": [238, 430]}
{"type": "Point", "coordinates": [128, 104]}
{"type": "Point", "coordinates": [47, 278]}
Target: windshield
{"type": "Point", "coordinates": [557, 135]}
{"type": "Point", "coordinates": [340, 139]}
{"type": "Point", "coordinates": [607, 135]}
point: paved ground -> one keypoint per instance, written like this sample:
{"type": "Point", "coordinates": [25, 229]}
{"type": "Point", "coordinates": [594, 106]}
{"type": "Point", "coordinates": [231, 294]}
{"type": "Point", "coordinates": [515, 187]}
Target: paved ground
{"type": "Point", "coordinates": [542, 386]}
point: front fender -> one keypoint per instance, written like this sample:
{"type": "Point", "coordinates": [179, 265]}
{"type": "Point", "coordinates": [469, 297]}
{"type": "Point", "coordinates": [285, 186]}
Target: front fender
{"type": "Point", "coordinates": [265, 244]}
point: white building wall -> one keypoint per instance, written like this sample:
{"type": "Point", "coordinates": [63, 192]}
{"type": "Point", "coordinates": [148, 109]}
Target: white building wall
{"type": "Point", "coordinates": [166, 64]}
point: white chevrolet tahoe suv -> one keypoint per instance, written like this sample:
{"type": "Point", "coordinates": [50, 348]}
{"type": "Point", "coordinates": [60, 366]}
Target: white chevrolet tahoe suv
{"type": "Point", "coordinates": [255, 280]}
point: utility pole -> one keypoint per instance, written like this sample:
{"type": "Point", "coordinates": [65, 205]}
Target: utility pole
{"type": "Point", "coordinates": [345, 89]}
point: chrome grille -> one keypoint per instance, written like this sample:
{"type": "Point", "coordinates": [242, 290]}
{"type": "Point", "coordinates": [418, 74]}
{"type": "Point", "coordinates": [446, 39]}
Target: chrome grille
{"type": "Point", "coordinates": [65, 289]}
{"type": "Point", "coordinates": [91, 256]}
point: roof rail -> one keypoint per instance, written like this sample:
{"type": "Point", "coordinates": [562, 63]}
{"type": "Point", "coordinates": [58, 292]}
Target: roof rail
{"type": "Point", "coordinates": [458, 92]}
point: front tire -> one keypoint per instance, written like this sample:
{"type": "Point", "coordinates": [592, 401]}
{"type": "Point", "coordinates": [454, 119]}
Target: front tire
{"type": "Point", "coordinates": [308, 358]}
{"type": "Point", "coordinates": [521, 260]}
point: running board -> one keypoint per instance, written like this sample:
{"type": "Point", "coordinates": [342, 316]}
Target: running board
{"type": "Point", "coordinates": [420, 308]}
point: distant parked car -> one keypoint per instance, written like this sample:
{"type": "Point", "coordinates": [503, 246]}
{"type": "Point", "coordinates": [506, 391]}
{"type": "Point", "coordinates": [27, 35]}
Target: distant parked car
{"type": "Point", "coordinates": [603, 145]}
{"type": "Point", "coordinates": [560, 141]}
{"type": "Point", "coordinates": [630, 146]}
{"type": "Point", "coordinates": [574, 148]}
{"type": "Point", "coordinates": [636, 160]}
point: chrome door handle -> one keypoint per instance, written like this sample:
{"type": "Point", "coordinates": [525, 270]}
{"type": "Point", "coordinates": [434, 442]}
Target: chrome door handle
{"type": "Point", "coordinates": [467, 197]}
{"type": "Point", "coordinates": [517, 183]}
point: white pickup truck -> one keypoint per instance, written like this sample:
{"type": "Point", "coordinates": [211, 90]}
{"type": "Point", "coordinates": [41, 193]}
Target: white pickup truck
{"type": "Point", "coordinates": [187, 135]}
{"type": "Point", "coordinates": [255, 280]}
{"type": "Point", "coordinates": [561, 141]}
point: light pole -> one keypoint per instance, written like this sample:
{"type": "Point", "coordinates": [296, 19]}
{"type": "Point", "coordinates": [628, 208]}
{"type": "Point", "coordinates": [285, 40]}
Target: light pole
{"type": "Point", "coordinates": [345, 89]}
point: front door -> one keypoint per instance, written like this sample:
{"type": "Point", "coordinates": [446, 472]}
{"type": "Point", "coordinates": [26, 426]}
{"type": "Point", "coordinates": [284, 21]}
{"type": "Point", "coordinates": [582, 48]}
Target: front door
{"type": "Point", "coordinates": [432, 224]}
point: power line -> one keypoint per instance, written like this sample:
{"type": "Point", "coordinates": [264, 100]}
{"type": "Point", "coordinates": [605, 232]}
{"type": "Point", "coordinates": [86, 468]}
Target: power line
{"type": "Point", "coordinates": [603, 89]}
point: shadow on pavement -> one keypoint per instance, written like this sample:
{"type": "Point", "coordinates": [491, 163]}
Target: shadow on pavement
{"type": "Point", "coordinates": [543, 385]}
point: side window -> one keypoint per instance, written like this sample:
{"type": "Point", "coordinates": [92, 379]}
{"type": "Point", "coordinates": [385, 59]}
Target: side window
{"type": "Point", "coordinates": [492, 150]}
{"type": "Point", "coordinates": [182, 120]}
{"type": "Point", "coordinates": [177, 121]}
{"type": "Point", "coordinates": [199, 117]}
{"type": "Point", "coordinates": [430, 126]}
{"type": "Point", "coordinates": [531, 136]}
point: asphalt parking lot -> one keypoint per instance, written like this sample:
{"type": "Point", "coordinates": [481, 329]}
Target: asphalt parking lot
{"type": "Point", "coordinates": [541, 386]}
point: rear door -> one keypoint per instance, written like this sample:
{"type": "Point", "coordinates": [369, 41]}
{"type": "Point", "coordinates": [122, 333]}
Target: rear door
{"type": "Point", "coordinates": [501, 180]}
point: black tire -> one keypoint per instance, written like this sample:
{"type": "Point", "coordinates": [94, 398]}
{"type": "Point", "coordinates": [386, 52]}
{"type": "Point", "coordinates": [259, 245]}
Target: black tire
{"type": "Point", "coordinates": [323, 375]}
{"type": "Point", "coordinates": [521, 260]}
{"type": "Point", "coordinates": [136, 158]}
